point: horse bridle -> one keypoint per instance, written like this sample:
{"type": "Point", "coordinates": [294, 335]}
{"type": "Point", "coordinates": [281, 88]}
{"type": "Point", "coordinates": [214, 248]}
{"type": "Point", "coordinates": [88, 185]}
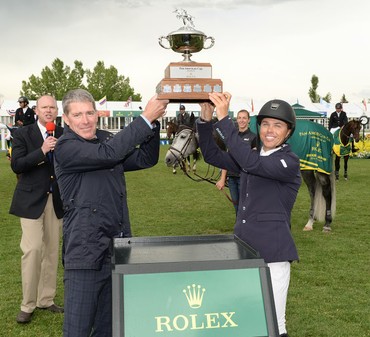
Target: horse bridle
{"type": "Point", "coordinates": [179, 154]}
{"type": "Point", "coordinates": [344, 134]}
{"type": "Point", "coordinates": [181, 162]}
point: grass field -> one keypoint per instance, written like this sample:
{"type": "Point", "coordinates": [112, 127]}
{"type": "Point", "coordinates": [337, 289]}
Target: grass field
{"type": "Point", "coordinates": [329, 292]}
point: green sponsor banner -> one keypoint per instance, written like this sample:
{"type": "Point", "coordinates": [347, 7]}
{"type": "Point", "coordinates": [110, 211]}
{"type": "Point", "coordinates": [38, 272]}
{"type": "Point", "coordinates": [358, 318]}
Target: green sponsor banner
{"type": "Point", "coordinates": [126, 113]}
{"type": "Point", "coordinates": [339, 149]}
{"type": "Point", "coordinates": [314, 145]}
{"type": "Point", "coordinates": [216, 303]}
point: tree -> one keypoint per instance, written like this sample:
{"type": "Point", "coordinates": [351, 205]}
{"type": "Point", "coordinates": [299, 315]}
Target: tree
{"type": "Point", "coordinates": [58, 79]}
{"type": "Point", "coordinates": [327, 97]}
{"type": "Point", "coordinates": [106, 82]}
{"type": "Point", "coordinates": [344, 99]}
{"type": "Point", "coordinates": [55, 81]}
{"type": "Point", "coordinates": [315, 98]}
{"type": "Point", "coordinates": [312, 92]}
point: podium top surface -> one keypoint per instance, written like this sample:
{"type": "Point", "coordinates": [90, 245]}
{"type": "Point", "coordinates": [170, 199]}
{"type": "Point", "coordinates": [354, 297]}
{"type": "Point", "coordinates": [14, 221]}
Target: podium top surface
{"type": "Point", "coordinates": [167, 249]}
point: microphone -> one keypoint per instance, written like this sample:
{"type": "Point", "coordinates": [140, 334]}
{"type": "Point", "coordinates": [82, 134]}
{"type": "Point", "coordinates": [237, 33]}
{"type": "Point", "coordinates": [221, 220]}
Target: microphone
{"type": "Point", "coordinates": [50, 128]}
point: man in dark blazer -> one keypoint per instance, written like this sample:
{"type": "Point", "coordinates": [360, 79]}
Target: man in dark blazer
{"type": "Point", "coordinates": [24, 115]}
{"type": "Point", "coordinates": [183, 118]}
{"type": "Point", "coordinates": [337, 118]}
{"type": "Point", "coordinates": [37, 202]}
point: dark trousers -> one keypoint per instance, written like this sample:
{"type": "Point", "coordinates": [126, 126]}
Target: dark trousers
{"type": "Point", "coordinates": [234, 188]}
{"type": "Point", "coordinates": [88, 302]}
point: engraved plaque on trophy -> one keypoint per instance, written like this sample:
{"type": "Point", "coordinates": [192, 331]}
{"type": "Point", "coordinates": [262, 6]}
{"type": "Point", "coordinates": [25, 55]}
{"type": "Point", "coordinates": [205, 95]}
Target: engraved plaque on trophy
{"type": "Point", "coordinates": [187, 81]}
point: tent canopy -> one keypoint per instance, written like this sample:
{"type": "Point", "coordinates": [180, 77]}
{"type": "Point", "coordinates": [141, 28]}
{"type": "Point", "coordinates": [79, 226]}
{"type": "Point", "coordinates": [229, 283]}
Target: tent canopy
{"type": "Point", "coordinates": [301, 112]}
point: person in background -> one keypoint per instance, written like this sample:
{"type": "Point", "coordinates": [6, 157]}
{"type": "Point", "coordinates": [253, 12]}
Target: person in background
{"type": "Point", "coordinates": [183, 118]}
{"type": "Point", "coordinates": [337, 118]}
{"type": "Point", "coordinates": [37, 202]}
{"type": "Point", "coordinates": [233, 178]}
{"type": "Point", "coordinates": [90, 166]}
{"type": "Point", "coordinates": [269, 183]}
{"type": "Point", "coordinates": [24, 115]}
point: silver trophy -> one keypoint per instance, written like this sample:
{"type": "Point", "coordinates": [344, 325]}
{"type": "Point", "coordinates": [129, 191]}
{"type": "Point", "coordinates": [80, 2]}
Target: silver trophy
{"type": "Point", "coordinates": [187, 81]}
{"type": "Point", "coordinates": [186, 40]}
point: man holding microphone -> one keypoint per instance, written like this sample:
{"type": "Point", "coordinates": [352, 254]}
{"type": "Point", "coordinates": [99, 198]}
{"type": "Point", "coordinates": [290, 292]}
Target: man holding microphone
{"type": "Point", "coordinates": [37, 202]}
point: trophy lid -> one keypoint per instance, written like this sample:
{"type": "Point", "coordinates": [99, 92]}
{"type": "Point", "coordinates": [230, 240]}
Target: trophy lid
{"type": "Point", "coordinates": [187, 30]}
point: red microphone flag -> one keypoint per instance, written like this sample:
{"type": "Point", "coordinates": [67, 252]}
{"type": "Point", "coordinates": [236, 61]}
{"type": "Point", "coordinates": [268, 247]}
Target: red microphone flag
{"type": "Point", "coordinates": [50, 128]}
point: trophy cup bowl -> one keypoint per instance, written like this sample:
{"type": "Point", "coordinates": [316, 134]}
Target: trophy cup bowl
{"type": "Point", "coordinates": [187, 41]}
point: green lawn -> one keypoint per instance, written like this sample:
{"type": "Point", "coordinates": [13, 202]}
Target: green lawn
{"type": "Point", "coordinates": [329, 293]}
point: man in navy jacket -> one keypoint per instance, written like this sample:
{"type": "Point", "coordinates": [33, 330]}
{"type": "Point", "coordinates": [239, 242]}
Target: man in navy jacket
{"type": "Point", "coordinates": [90, 166]}
{"type": "Point", "coordinates": [269, 179]}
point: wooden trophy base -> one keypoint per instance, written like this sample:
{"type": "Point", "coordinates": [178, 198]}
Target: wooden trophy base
{"type": "Point", "coordinates": [188, 82]}
{"type": "Point", "coordinates": [190, 90]}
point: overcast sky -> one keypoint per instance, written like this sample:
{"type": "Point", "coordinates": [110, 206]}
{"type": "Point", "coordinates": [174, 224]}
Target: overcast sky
{"type": "Point", "coordinates": [264, 49]}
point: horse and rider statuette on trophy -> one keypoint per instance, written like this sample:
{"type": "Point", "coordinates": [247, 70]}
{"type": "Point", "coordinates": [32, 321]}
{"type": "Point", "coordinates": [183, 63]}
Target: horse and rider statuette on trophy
{"type": "Point", "coordinates": [187, 81]}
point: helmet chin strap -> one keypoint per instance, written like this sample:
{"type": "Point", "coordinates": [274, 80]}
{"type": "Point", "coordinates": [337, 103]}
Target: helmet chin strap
{"type": "Point", "coordinates": [287, 137]}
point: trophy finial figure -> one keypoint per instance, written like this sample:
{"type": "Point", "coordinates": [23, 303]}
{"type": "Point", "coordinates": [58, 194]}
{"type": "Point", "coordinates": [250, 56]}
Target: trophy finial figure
{"type": "Point", "coordinates": [186, 18]}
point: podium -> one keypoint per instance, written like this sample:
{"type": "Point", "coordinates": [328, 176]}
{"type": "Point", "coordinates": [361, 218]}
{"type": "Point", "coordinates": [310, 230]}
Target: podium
{"type": "Point", "coordinates": [211, 285]}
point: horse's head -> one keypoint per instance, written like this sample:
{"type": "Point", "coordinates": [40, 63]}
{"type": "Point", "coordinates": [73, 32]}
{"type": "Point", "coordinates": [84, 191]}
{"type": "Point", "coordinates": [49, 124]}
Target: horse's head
{"type": "Point", "coordinates": [171, 129]}
{"type": "Point", "coordinates": [184, 144]}
{"type": "Point", "coordinates": [354, 129]}
{"type": "Point", "coordinates": [350, 130]}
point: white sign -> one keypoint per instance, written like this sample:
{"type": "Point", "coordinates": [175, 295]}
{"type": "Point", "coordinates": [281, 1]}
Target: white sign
{"type": "Point", "coordinates": [190, 72]}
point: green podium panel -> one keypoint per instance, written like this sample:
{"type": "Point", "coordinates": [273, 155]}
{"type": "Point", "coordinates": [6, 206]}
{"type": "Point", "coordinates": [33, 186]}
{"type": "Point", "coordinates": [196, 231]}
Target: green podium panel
{"type": "Point", "coordinates": [208, 286]}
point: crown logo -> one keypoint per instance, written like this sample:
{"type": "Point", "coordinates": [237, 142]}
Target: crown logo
{"type": "Point", "coordinates": [194, 295]}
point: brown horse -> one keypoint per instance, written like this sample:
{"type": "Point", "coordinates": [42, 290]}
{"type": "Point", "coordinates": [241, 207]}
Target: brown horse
{"type": "Point", "coordinates": [171, 129]}
{"type": "Point", "coordinates": [344, 144]}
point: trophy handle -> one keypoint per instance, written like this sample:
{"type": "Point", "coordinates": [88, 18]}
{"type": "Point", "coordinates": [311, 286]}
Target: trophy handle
{"type": "Point", "coordinates": [160, 42]}
{"type": "Point", "coordinates": [212, 42]}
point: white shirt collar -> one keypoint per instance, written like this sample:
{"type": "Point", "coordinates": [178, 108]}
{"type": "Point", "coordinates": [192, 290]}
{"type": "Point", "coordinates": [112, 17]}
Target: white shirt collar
{"type": "Point", "coordinates": [42, 128]}
{"type": "Point", "coordinates": [264, 153]}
